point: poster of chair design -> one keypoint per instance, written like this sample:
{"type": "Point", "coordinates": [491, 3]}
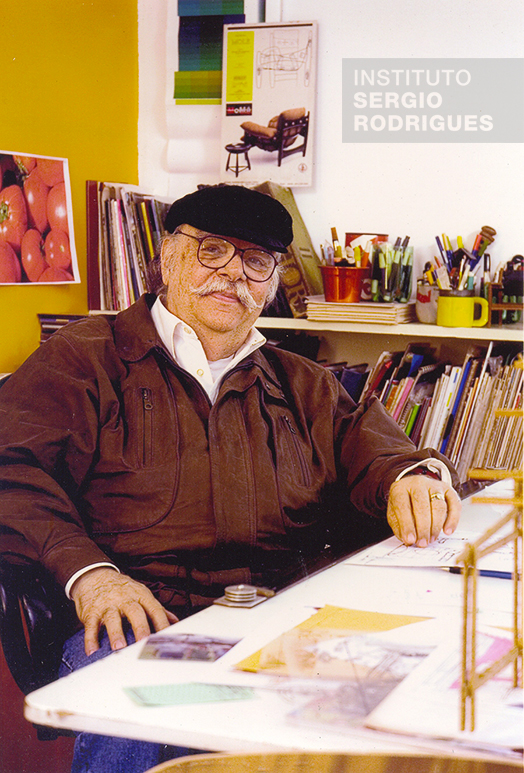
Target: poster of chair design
{"type": "Point", "coordinates": [268, 103]}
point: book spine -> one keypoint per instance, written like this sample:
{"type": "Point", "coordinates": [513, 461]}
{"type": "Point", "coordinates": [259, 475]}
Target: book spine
{"type": "Point", "coordinates": [412, 418]}
{"type": "Point", "coordinates": [458, 424]}
{"type": "Point", "coordinates": [420, 421]}
{"type": "Point", "coordinates": [150, 246]}
{"type": "Point", "coordinates": [94, 300]}
{"type": "Point", "coordinates": [133, 217]}
{"type": "Point", "coordinates": [138, 276]}
{"type": "Point", "coordinates": [106, 289]}
{"type": "Point", "coordinates": [121, 256]}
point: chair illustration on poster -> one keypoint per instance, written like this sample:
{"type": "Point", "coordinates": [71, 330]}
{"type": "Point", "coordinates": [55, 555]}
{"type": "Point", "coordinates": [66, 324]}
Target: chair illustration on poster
{"type": "Point", "coordinates": [284, 59]}
{"type": "Point", "coordinates": [282, 134]}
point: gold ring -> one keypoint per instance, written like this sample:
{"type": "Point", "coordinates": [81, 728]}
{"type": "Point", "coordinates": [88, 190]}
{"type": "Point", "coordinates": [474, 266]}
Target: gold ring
{"type": "Point", "coordinates": [437, 495]}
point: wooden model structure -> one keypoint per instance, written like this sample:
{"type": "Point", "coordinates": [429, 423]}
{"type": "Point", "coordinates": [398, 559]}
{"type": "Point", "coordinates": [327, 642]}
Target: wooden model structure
{"type": "Point", "coordinates": [471, 678]}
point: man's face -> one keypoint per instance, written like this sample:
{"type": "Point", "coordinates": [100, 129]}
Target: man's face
{"type": "Point", "coordinates": [210, 300]}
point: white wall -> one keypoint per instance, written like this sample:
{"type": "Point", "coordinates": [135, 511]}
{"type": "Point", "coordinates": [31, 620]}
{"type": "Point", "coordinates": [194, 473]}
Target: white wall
{"type": "Point", "coordinates": [416, 189]}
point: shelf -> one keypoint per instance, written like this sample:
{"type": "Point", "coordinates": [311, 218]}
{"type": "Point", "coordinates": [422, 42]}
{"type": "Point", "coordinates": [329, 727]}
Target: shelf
{"type": "Point", "coordinates": [504, 333]}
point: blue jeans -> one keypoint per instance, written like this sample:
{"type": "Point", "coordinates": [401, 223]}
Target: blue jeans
{"type": "Point", "coordinates": [104, 754]}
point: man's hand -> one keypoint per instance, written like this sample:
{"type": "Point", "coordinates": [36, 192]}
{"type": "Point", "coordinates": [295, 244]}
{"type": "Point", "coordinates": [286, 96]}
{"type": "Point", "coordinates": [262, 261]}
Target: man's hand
{"type": "Point", "coordinates": [419, 507]}
{"type": "Point", "coordinates": [102, 596]}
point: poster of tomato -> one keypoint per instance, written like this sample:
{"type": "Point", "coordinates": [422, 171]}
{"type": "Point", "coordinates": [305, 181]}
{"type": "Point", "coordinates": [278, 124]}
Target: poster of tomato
{"type": "Point", "coordinates": [36, 222]}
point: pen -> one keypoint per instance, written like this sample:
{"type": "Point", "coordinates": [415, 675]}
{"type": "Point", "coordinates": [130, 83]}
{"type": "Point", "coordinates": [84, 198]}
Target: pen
{"type": "Point", "coordinates": [483, 573]}
{"type": "Point", "coordinates": [449, 251]}
{"type": "Point", "coordinates": [476, 246]}
{"type": "Point", "coordinates": [441, 249]}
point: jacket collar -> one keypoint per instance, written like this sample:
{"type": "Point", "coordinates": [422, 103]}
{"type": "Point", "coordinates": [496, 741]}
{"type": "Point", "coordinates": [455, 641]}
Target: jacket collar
{"type": "Point", "coordinates": [135, 332]}
{"type": "Point", "coordinates": [136, 336]}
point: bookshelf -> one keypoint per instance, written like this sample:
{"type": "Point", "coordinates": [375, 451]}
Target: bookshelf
{"type": "Point", "coordinates": [412, 329]}
{"type": "Point", "coordinates": [363, 342]}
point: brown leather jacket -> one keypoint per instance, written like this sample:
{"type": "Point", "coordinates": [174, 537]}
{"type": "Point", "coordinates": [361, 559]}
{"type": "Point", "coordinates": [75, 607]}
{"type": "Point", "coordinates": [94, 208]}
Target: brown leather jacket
{"type": "Point", "coordinates": [109, 450]}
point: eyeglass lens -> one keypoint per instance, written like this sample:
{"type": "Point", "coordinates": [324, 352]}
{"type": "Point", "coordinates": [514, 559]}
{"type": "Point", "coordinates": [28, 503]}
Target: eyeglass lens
{"type": "Point", "coordinates": [215, 253]}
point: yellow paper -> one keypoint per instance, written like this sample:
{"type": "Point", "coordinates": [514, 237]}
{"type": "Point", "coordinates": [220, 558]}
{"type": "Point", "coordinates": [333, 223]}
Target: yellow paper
{"type": "Point", "coordinates": [320, 645]}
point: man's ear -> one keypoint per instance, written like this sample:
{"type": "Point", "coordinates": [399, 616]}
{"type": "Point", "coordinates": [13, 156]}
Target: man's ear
{"type": "Point", "coordinates": [167, 256]}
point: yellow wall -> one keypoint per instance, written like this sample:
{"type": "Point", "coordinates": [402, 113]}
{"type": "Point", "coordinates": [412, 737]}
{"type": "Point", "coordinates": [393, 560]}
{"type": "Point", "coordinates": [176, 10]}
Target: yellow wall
{"type": "Point", "coordinates": [69, 88]}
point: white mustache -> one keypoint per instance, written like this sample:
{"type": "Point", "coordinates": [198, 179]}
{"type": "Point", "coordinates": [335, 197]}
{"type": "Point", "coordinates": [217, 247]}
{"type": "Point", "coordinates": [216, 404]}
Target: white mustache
{"type": "Point", "coordinates": [218, 284]}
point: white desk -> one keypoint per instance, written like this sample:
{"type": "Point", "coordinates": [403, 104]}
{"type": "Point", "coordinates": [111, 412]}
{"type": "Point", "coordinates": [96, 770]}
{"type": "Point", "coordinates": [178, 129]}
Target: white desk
{"type": "Point", "coordinates": [94, 700]}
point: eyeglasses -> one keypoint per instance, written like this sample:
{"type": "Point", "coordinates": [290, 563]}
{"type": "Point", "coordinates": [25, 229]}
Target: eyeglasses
{"type": "Point", "coordinates": [215, 252]}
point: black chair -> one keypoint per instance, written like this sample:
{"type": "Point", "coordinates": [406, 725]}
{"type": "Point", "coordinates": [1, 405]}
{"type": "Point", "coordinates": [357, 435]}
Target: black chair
{"type": "Point", "coordinates": [36, 618]}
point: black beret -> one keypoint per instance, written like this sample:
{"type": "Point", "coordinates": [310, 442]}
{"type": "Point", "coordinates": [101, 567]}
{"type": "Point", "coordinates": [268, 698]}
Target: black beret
{"type": "Point", "coordinates": [235, 211]}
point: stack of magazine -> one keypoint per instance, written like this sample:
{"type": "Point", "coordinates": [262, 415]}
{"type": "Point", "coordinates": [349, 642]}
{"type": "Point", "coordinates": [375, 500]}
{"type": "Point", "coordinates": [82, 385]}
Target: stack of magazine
{"type": "Point", "coordinates": [320, 310]}
{"type": "Point", "coordinates": [124, 229]}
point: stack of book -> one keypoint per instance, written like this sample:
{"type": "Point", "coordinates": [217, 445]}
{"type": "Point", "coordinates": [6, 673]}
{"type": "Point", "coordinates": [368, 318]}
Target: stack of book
{"type": "Point", "coordinates": [320, 310]}
{"type": "Point", "coordinates": [124, 228]}
{"type": "Point", "coordinates": [453, 407]}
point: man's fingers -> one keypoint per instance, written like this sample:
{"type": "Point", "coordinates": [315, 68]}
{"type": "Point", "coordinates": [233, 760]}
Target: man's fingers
{"type": "Point", "coordinates": [113, 623]}
{"type": "Point", "coordinates": [454, 510]}
{"type": "Point", "coordinates": [160, 619]}
{"type": "Point", "coordinates": [400, 516]}
{"type": "Point", "coordinates": [423, 516]}
{"type": "Point", "coordinates": [91, 636]}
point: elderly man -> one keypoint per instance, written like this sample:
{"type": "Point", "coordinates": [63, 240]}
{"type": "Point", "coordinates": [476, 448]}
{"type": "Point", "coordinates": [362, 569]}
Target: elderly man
{"type": "Point", "coordinates": [151, 461]}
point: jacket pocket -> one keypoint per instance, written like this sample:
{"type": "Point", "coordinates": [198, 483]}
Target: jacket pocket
{"type": "Point", "coordinates": [296, 451]}
{"type": "Point", "coordinates": [147, 415]}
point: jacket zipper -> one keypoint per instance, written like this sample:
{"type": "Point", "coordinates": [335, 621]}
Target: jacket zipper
{"type": "Point", "coordinates": [299, 451]}
{"type": "Point", "coordinates": [147, 409]}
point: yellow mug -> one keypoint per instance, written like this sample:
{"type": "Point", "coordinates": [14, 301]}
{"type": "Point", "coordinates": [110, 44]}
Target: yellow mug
{"type": "Point", "coordinates": [458, 308]}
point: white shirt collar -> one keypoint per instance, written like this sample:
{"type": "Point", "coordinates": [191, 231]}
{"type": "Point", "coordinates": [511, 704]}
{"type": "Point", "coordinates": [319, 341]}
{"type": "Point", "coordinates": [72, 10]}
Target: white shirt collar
{"type": "Point", "coordinates": [185, 348]}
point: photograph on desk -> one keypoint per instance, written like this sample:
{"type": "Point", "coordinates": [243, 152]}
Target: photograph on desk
{"type": "Point", "coordinates": [268, 103]}
{"type": "Point", "coordinates": [37, 243]}
{"type": "Point", "coordinates": [186, 646]}
{"type": "Point", "coordinates": [352, 656]}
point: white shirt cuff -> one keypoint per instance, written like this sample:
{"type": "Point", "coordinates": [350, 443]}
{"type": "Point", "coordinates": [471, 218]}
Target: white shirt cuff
{"type": "Point", "coordinates": [433, 465]}
{"type": "Point", "coordinates": [82, 571]}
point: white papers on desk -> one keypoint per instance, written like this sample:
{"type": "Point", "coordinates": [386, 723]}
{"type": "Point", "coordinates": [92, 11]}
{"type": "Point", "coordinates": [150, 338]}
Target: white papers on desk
{"type": "Point", "coordinates": [427, 702]}
{"type": "Point", "coordinates": [442, 553]}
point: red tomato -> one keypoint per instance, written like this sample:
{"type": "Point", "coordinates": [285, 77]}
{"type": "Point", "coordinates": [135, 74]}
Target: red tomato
{"type": "Point", "coordinates": [51, 170]}
{"type": "Point", "coordinates": [36, 197]}
{"type": "Point", "coordinates": [10, 269]}
{"type": "Point", "coordinates": [57, 208]}
{"type": "Point", "coordinates": [33, 259]}
{"type": "Point", "coordinates": [53, 274]}
{"type": "Point", "coordinates": [57, 251]}
{"type": "Point", "coordinates": [13, 216]}
{"type": "Point", "coordinates": [25, 163]}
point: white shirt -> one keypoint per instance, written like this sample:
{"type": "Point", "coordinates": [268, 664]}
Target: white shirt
{"type": "Point", "coordinates": [186, 350]}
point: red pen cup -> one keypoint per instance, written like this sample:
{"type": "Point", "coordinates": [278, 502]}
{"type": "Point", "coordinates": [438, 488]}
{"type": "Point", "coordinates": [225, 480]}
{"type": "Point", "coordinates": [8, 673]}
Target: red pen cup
{"type": "Point", "coordinates": [343, 284]}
